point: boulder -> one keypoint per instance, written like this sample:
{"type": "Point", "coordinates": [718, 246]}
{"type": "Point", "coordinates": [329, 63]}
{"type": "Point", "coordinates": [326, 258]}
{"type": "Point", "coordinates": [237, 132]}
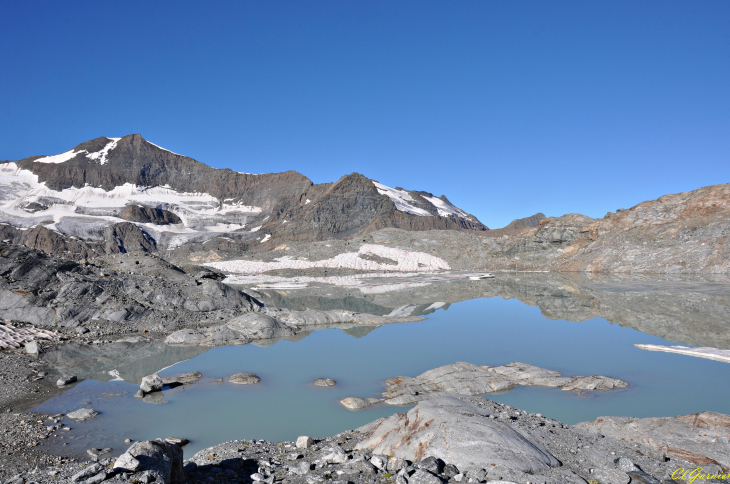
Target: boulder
{"type": "Point", "coordinates": [159, 459]}
{"type": "Point", "coordinates": [127, 463]}
{"type": "Point", "coordinates": [244, 379]}
{"type": "Point", "coordinates": [422, 476]}
{"type": "Point", "coordinates": [83, 414]}
{"type": "Point", "coordinates": [183, 379]}
{"type": "Point", "coordinates": [151, 383]}
{"type": "Point", "coordinates": [457, 432]}
{"type": "Point", "coordinates": [304, 442]}
{"type": "Point", "coordinates": [32, 348]}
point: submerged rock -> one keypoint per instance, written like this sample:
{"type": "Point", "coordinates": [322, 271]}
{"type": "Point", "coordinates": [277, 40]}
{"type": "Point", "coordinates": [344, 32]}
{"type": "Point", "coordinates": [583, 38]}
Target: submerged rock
{"type": "Point", "coordinates": [457, 432]}
{"type": "Point", "coordinates": [354, 403]}
{"type": "Point", "coordinates": [244, 379]}
{"type": "Point", "coordinates": [324, 382]}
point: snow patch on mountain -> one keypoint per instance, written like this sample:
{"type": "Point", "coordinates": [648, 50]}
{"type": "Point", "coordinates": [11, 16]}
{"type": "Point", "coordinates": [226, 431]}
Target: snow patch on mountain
{"type": "Point", "coordinates": [405, 261]}
{"type": "Point", "coordinates": [445, 209]}
{"type": "Point", "coordinates": [405, 203]}
{"type": "Point", "coordinates": [62, 158]}
{"type": "Point", "coordinates": [401, 199]}
{"type": "Point", "coordinates": [102, 156]}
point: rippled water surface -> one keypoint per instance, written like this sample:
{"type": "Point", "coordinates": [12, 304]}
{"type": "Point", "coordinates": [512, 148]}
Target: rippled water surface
{"type": "Point", "coordinates": [485, 331]}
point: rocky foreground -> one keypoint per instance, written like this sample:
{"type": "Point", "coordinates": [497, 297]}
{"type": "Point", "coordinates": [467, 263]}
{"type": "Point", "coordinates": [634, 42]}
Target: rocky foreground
{"type": "Point", "coordinates": [441, 440]}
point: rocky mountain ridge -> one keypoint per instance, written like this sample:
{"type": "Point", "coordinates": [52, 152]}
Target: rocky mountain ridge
{"type": "Point", "coordinates": [102, 177]}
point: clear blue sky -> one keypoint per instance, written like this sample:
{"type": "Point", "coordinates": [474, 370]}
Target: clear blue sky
{"type": "Point", "coordinates": [508, 108]}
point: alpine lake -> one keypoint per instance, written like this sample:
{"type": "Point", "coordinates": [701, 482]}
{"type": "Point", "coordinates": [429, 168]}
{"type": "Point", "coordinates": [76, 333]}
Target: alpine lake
{"type": "Point", "coordinates": [576, 324]}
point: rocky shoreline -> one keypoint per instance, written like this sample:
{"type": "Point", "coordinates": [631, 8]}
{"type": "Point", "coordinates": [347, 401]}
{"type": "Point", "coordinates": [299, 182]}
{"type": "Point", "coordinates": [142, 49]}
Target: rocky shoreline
{"type": "Point", "coordinates": [443, 440]}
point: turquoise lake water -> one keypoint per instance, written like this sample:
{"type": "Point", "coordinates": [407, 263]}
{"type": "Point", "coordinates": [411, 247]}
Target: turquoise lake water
{"type": "Point", "coordinates": [491, 331]}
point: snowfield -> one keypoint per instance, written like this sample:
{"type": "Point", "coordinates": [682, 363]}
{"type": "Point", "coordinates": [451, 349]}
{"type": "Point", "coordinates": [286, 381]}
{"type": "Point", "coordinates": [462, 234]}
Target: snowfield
{"type": "Point", "coordinates": [404, 202]}
{"type": "Point", "coordinates": [85, 212]}
{"type": "Point", "coordinates": [404, 261]}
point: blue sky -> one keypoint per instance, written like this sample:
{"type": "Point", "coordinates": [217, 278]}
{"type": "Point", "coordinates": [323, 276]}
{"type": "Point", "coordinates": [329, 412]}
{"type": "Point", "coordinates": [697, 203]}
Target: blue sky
{"type": "Point", "coordinates": [508, 108]}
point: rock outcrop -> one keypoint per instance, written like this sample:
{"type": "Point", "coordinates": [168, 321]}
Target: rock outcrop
{"type": "Point", "coordinates": [275, 323]}
{"type": "Point", "coordinates": [459, 433]}
{"type": "Point", "coordinates": [141, 291]}
{"type": "Point", "coordinates": [468, 379]}
{"type": "Point", "coordinates": [699, 438]}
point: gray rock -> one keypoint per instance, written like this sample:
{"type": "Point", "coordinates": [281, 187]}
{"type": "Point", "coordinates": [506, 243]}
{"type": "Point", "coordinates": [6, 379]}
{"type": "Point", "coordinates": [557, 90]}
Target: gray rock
{"type": "Point", "coordinates": [32, 348]}
{"type": "Point", "coordinates": [334, 454]}
{"type": "Point", "coordinates": [354, 403]}
{"type": "Point", "coordinates": [151, 383]}
{"type": "Point", "coordinates": [183, 379]}
{"type": "Point", "coordinates": [450, 470]}
{"type": "Point", "coordinates": [177, 441]}
{"type": "Point", "coordinates": [95, 453]}
{"type": "Point", "coordinates": [324, 382]}
{"type": "Point", "coordinates": [83, 414]}
{"type": "Point", "coordinates": [155, 398]}
{"type": "Point", "coordinates": [641, 477]}
{"type": "Point", "coordinates": [395, 464]}
{"type": "Point", "coordinates": [610, 476]}
{"type": "Point", "coordinates": [422, 476]}
{"type": "Point", "coordinates": [257, 326]}
{"type": "Point", "coordinates": [625, 464]}
{"type": "Point", "coordinates": [244, 379]}
{"type": "Point", "coordinates": [96, 479]}
{"type": "Point", "coordinates": [380, 461]}
{"type": "Point", "coordinates": [304, 442]}
{"type": "Point", "coordinates": [89, 471]}
{"type": "Point", "coordinates": [65, 380]}
{"type": "Point", "coordinates": [160, 460]}
{"type": "Point", "coordinates": [432, 464]}
{"type": "Point", "coordinates": [460, 433]}
{"type": "Point", "coordinates": [301, 468]}
{"type": "Point", "coordinates": [126, 462]}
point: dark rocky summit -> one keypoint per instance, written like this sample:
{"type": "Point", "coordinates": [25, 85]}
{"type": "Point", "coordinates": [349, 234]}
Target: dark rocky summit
{"type": "Point", "coordinates": [157, 216]}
